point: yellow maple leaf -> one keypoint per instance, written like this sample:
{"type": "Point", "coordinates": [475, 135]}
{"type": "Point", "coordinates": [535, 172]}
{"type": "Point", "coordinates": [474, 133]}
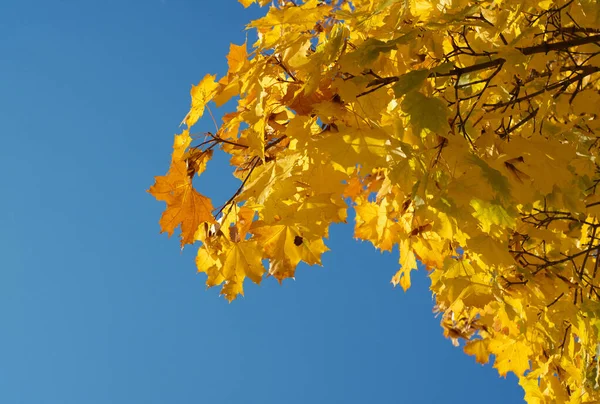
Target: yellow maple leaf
{"type": "Point", "coordinates": [201, 95]}
{"type": "Point", "coordinates": [350, 147]}
{"type": "Point", "coordinates": [511, 355]}
{"type": "Point", "coordinates": [492, 251]}
{"type": "Point", "coordinates": [408, 263]}
{"type": "Point", "coordinates": [366, 221]}
{"type": "Point", "coordinates": [316, 213]}
{"type": "Point", "coordinates": [260, 182]}
{"type": "Point", "coordinates": [374, 225]}
{"type": "Point", "coordinates": [180, 145]}
{"type": "Point", "coordinates": [243, 260]}
{"type": "Point", "coordinates": [210, 266]}
{"type": "Point", "coordinates": [236, 57]}
{"type": "Point", "coordinates": [479, 349]}
{"type": "Point", "coordinates": [285, 245]}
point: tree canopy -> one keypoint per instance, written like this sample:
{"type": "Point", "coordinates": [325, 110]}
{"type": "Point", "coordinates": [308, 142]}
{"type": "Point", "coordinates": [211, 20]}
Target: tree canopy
{"type": "Point", "coordinates": [464, 132]}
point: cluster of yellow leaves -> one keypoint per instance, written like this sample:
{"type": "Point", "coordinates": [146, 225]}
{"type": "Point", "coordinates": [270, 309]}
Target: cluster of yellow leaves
{"type": "Point", "coordinates": [463, 132]}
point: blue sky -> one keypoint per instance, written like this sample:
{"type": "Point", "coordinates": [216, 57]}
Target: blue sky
{"type": "Point", "coordinates": [97, 307]}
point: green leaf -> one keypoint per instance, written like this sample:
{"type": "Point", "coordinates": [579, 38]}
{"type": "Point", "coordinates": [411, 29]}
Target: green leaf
{"type": "Point", "coordinates": [444, 68]}
{"type": "Point", "coordinates": [490, 213]}
{"type": "Point", "coordinates": [409, 82]}
{"type": "Point", "coordinates": [494, 177]}
{"type": "Point", "coordinates": [426, 113]}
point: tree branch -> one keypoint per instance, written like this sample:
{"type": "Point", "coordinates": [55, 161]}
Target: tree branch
{"type": "Point", "coordinates": [531, 50]}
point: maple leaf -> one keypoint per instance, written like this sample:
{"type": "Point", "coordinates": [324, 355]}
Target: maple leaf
{"type": "Point", "coordinates": [201, 95]}
{"type": "Point", "coordinates": [474, 151]}
{"type": "Point", "coordinates": [373, 224]}
{"type": "Point", "coordinates": [426, 112]}
{"type": "Point", "coordinates": [408, 263]}
{"type": "Point", "coordinates": [511, 356]}
{"type": "Point", "coordinates": [186, 207]}
{"type": "Point", "coordinates": [409, 82]}
{"type": "Point", "coordinates": [349, 147]}
{"type": "Point", "coordinates": [236, 57]}
{"type": "Point", "coordinates": [479, 349]}
{"type": "Point", "coordinates": [211, 266]}
{"type": "Point", "coordinates": [286, 247]}
{"type": "Point", "coordinates": [242, 260]}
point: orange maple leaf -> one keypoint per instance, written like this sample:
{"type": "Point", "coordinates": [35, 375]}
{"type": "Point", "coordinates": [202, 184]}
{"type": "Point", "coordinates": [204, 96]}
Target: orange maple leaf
{"type": "Point", "coordinates": [185, 206]}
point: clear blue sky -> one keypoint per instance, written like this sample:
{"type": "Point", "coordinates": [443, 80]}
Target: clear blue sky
{"type": "Point", "coordinates": [97, 307]}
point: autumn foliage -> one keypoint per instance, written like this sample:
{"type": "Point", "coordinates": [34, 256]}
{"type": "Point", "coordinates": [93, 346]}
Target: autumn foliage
{"type": "Point", "coordinates": [463, 132]}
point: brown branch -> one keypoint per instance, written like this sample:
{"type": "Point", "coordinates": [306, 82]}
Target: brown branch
{"type": "Point", "coordinates": [485, 87]}
{"type": "Point", "coordinates": [521, 123]}
{"type": "Point", "coordinates": [561, 261]}
{"type": "Point", "coordinates": [375, 88]}
{"type": "Point", "coordinates": [594, 275]}
{"type": "Point", "coordinates": [279, 63]}
{"type": "Point", "coordinates": [549, 47]}
{"type": "Point", "coordinates": [530, 50]}
{"type": "Point", "coordinates": [274, 142]}
{"type": "Point", "coordinates": [221, 140]}
{"type": "Point", "coordinates": [255, 160]}
{"type": "Point", "coordinates": [562, 345]}
{"type": "Point", "coordinates": [564, 83]}
{"type": "Point", "coordinates": [555, 300]}
{"type": "Point", "coordinates": [592, 237]}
